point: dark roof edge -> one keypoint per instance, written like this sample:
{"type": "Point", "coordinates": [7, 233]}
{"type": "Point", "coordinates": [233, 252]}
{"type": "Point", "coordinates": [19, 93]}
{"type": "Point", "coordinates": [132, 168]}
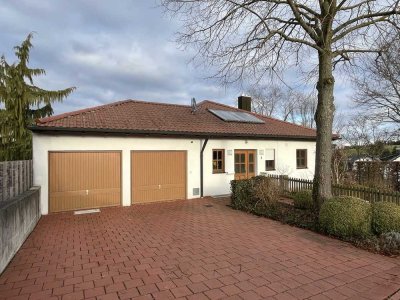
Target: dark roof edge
{"type": "Point", "coordinates": [43, 129]}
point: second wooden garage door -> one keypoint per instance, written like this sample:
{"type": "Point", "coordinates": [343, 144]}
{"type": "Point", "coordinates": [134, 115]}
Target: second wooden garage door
{"type": "Point", "coordinates": [81, 180]}
{"type": "Point", "coordinates": [158, 176]}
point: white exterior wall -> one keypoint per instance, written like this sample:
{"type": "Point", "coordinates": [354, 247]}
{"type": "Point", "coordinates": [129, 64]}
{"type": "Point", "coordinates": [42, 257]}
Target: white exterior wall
{"type": "Point", "coordinates": [42, 144]}
{"type": "Point", "coordinates": [214, 184]}
{"type": "Point", "coordinates": [285, 161]}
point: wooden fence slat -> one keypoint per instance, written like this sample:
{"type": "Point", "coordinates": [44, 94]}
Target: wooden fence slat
{"type": "Point", "coordinates": [16, 177]}
{"type": "Point", "coordinates": [291, 184]}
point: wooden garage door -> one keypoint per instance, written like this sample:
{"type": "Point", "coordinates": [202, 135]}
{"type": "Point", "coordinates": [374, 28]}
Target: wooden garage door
{"type": "Point", "coordinates": [81, 180]}
{"type": "Point", "coordinates": [158, 176]}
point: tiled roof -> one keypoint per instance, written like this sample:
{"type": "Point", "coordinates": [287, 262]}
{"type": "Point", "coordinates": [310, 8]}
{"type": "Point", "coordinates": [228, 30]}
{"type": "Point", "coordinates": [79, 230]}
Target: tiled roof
{"type": "Point", "coordinates": [140, 117]}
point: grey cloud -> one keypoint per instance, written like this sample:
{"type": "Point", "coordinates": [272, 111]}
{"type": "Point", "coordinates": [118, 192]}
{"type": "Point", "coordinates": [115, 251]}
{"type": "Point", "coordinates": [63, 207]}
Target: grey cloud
{"type": "Point", "coordinates": [109, 50]}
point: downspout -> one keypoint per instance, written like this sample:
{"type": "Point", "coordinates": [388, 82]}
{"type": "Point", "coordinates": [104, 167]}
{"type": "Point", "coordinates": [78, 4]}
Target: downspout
{"type": "Point", "coordinates": [201, 166]}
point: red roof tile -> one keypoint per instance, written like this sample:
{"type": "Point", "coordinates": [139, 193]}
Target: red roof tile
{"type": "Point", "coordinates": [132, 116]}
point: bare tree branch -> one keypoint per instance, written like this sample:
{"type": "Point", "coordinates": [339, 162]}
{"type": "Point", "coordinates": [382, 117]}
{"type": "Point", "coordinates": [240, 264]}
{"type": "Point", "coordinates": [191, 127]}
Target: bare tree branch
{"type": "Point", "coordinates": [378, 84]}
{"type": "Point", "coordinates": [254, 39]}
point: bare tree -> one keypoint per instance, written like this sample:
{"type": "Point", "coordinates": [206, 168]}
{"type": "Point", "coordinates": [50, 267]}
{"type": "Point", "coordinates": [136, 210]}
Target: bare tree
{"type": "Point", "coordinates": [378, 83]}
{"type": "Point", "coordinates": [339, 165]}
{"type": "Point", "coordinates": [276, 101]}
{"type": "Point", "coordinates": [288, 107]}
{"type": "Point", "coordinates": [266, 99]}
{"type": "Point", "coordinates": [254, 37]}
{"type": "Point", "coordinates": [366, 136]}
{"type": "Point", "coordinates": [306, 107]}
{"type": "Point", "coordinates": [339, 122]}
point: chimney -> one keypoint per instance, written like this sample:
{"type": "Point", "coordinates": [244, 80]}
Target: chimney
{"type": "Point", "coordinates": [244, 102]}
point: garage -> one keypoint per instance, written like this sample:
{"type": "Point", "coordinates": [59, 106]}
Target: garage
{"type": "Point", "coordinates": [83, 180]}
{"type": "Point", "coordinates": [158, 176]}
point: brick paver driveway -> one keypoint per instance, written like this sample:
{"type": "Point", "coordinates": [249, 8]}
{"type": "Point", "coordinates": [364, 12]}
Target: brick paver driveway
{"type": "Point", "coordinates": [190, 250]}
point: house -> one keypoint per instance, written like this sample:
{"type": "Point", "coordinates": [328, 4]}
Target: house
{"type": "Point", "coordinates": [395, 158]}
{"type": "Point", "coordinates": [353, 160]}
{"type": "Point", "coordinates": [392, 157]}
{"type": "Point", "coordinates": [137, 152]}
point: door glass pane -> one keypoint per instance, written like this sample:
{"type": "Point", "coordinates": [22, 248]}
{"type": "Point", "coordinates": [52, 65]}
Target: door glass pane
{"type": "Point", "coordinates": [237, 168]}
{"type": "Point", "coordinates": [251, 168]}
{"type": "Point", "coordinates": [251, 157]}
{"type": "Point", "coordinates": [242, 168]}
{"type": "Point", "coordinates": [242, 157]}
{"type": "Point", "coordinates": [236, 158]}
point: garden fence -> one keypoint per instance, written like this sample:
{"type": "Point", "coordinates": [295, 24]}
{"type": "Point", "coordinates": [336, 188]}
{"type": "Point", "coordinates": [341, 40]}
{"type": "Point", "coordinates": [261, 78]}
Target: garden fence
{"type": "Point", "coordinates": [289, 184]}
{"type": "Point", "coordinates": [16, 177]}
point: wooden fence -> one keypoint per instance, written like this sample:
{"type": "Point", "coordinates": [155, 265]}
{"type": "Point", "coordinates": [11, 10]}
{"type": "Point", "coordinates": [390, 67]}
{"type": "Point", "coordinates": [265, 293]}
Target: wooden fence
{"type": "Point", "coordinates": [16, 177]}
{"type": "Point", "coordinates": [289, 184]}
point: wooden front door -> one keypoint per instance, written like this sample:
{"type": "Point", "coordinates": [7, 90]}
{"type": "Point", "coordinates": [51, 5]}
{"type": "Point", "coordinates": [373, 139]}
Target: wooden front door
{"type": "Point", "coordinates": [245, 164]}
{"type": "Point", "coordinates": [158, 176]}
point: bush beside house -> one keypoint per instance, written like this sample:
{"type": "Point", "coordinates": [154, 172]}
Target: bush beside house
{"type": "Point", "coordinates": [346, 217]}
{"type": "Point", "coordinates": [259, 195]}
{"type": "Point", "coordinates": [242, 196]}
{"type": "Point", "coordinates": [373, 226]}
{"type": "Point", "coordinates": [303, 199]}
{"type": "Point", "coordinates": [386, 217]}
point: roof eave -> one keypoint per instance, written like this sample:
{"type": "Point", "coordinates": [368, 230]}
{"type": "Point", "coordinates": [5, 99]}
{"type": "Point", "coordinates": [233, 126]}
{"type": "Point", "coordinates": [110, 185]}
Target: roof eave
{"type": "Point", "coordinates": [107, 131]}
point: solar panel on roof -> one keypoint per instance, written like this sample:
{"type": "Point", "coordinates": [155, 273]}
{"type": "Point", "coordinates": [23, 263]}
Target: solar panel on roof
{"type": "Point", "coordinates": [235, 116]}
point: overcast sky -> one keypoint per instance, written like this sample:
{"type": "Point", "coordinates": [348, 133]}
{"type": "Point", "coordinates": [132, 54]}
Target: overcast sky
{"type": "Point", "coordinates": [112, 50]}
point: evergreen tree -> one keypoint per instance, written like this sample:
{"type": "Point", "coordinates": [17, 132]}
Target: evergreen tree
{"type": "Point", "coordinates": [22, 102]}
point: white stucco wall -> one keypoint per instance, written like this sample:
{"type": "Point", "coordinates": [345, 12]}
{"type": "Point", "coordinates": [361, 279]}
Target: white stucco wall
{"type": "Point", "coordinates": [42, 144]}
{"type": "Point", "coordinates": [214, 184]}
{"type": "Point", "coordinates": [285, 161]}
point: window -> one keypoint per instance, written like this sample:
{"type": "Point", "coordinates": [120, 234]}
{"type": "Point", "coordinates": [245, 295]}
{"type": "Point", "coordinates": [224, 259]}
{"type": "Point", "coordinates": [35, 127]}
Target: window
{"type": "Point", "coordinates": [301, 158]}
{"type": "Point", "coordinates": [218, 161]}
{"type": "Point", "coordinates": [269, 159]}
{"type": "Point", "coordinates": [270, 165]}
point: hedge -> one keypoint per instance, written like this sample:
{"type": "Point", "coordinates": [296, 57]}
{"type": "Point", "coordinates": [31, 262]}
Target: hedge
{"type": "Point", "coordinates": [346, 217]}
{"type": "Point", "coordinates": [303, 199]}
{"type": "Point", "coordinates": [255, 194]}
{"type": "Point", "coordinates": [385, 217]}
{"type": "Point", "coordinates": [241, 193]}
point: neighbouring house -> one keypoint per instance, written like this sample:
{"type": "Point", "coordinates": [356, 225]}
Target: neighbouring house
{"type": "Point", "coordinates": [137, 152]}
{"type": "Point", "coordinates": [355, 159]}
{"type": "Point", "coordinates": [393, 157]}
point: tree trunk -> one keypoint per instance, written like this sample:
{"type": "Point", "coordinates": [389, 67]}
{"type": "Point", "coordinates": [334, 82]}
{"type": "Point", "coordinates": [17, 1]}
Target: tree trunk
{"type": "Point", "coordinates": [324, 118]}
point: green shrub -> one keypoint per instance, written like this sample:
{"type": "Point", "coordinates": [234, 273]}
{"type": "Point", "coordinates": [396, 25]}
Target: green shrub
{"type": "Point", "coordinates": [385, 217]}
{"type": "Point", "coordinates": [241, 193]}
{"type": "Point", "coordinates": [255, 194]}
{"type": "Point", "coordinates": [346, 217]}
{"type": "Point", "coordinates": [303, 199]}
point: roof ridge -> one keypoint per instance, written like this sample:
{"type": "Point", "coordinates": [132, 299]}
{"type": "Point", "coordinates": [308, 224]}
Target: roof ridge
{"type": "Point", "coordinates": [256, 114]}
{"type": "Point", "coordinates": [98, 107]}
{"type": "Point", "coordinates": [158, 103]}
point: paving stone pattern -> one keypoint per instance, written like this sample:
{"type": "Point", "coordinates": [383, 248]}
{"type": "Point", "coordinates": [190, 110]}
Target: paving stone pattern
{"type": "Point", "coordinates": [186, 250]}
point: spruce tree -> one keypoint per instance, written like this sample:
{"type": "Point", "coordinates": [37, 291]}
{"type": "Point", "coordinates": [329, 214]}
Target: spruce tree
{"type": "Point", "coordinates": [22, 102]}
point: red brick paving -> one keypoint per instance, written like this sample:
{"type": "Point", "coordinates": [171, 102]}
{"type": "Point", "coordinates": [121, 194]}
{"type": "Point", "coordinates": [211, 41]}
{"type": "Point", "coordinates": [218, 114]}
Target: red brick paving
{"type": "Point", "coordinates": [185, 250]}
